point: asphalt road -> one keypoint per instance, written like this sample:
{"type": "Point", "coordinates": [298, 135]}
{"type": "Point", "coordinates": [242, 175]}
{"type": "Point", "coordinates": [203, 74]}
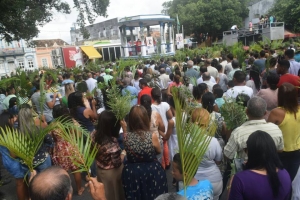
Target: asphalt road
{"type": "Point", "coordinates": [8, 192]}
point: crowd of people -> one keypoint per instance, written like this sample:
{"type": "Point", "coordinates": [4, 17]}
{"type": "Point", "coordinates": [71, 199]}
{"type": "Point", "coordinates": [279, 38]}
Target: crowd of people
{"type": "Point", "coordinates": [134, 153]}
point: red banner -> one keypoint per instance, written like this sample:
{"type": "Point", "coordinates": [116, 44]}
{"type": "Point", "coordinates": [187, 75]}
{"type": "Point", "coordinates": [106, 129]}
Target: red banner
{"type": "Point", "coordinates": [69, 54]}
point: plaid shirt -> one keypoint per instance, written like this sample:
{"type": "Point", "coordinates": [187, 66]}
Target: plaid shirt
{"type": "Point", "coordinates": [239, 137]}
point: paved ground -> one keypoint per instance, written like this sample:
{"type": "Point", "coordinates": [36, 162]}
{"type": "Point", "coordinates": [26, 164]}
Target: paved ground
{"type": "Point", "coordinates": [8, 192]}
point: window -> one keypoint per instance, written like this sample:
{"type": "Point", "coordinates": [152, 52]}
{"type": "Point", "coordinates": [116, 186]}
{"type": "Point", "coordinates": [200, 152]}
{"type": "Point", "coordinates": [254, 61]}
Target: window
{"type": "Point", "coordinates": [44, 62]}
{"type": "Point", "coordinates": [21, 63]}
{"type": "Point", "coordinates": [30, 64]}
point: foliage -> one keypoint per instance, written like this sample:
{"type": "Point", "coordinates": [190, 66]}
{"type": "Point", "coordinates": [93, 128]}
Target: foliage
{"type": "Point", "coordinates": [84, 152]}
{"type": "Point", "coordinates": [19, 19]}
{"type": "Point", "coordinates": [193, 140]}
{"type": "Point", "coordinates": [233, 113]}
{"type": "Point", "coordinates": [207, 16]}
{"type": "Point", "coordinates": [287, 12]}
{"type": "Point", "coordinates": [119, 104]}
{"type": "Point", "coordinates": [23, 145]}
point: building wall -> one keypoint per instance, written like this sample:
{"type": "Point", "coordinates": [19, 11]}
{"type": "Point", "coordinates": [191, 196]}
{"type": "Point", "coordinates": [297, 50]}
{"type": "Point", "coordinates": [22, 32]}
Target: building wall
{"type": "Point", "coordinates": [258, 8]}
{"type": "Point", "coordinates": [16, 55]}
{"type": "Point", "coordinates": [43, 55]}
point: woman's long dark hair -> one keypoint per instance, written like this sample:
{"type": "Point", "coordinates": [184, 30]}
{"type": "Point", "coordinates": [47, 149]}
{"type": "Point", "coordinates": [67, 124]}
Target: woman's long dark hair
{"type": "Point", "coordinates": [75, 101]}
{"type": "Point", "coordinates": [262, 154]}
{"type": "Point", "coordinates": [108, 127]}
{"type": "Point", "coordinates": [254, 74]}
{"type": "Point", "coordinates": [208, 101]}
{"type": "Point", "coordinates": [146, 102]}
{"type": "Point", "coordinates": [156, 95]}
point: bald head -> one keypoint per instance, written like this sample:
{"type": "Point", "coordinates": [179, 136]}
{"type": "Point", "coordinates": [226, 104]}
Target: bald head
{"type": "Point", "coordinates": [53, 183]}
{"type": "Point", "coordinates": [206, 76]}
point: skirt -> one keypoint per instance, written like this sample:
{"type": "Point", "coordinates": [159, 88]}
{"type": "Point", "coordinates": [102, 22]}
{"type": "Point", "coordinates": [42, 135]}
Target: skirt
{"type": "Point", "coordinates": [112, 180]}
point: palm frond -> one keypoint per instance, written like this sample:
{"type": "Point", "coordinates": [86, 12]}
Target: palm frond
{"type": "Point", "coordinates": [23, 145]}
{"type": "Point", "coordinates": [193, 140]}
{"type": "Point", "coordinates": [84, 152]}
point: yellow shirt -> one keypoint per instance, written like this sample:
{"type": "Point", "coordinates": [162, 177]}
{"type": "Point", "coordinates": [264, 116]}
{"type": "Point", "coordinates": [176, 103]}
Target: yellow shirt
{"type": "Point", "coordinates": [290, 128]}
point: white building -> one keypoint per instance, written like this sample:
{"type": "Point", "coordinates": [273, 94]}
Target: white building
{"type": "Point", "coordinates": [16, 55]}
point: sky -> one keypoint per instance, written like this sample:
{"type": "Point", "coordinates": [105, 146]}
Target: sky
{"type": "Point", "coordinates": [59, 27]}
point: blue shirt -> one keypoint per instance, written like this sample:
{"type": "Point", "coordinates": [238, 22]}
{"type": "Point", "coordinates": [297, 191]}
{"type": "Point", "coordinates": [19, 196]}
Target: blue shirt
{"type": "Point", "coordinates": [220, 102]}
{"type": "Point", "coordinates": [203, 190]}
{"type": "Point", "coordinates": [260, 64]}
{"type": "Point", "coordinates": [297, 57]}
{"type": "Point", "coordinates": [294, 67]}
{"type": "Point", "coordinates": [133, 92]}
{"type": "Point", "coordinates": [191, 72]}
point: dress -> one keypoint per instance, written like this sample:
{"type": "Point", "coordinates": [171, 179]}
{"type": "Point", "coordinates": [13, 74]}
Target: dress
{"type": "Point", "coordinates": [143, 176]}
{"type": "Point", "coordinates": [62, 151]}
{"type": "Point", "coordinates": [173, 142]}
{"type": "Point", "coordinates": [154, 129]}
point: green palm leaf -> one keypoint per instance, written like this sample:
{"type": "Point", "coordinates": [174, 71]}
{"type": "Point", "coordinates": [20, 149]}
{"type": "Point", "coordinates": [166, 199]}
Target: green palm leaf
{"type": "Point", "coordinates": [193, 140]}
{"type": "Point", "coordinates": [84, 152]}
{"type": "Point", "coordinates": [23, 145]}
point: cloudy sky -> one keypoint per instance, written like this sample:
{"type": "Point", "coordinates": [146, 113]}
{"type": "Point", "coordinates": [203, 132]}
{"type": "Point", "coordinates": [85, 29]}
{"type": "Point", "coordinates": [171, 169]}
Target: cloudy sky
{"type": "Point", "coordinates": [60, 26]}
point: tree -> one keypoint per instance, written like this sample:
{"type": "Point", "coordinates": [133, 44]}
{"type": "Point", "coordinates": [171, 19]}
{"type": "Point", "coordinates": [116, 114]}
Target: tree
{"type": "Point", "coordinates": [21, 18]}
{"type": "Point", "coordinates": [207, 16]}
{"type": "Point", "coordinates": [287, 12]}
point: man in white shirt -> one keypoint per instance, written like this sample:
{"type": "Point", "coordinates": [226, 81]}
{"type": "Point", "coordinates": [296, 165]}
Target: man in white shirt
{"type": "Point", "coordinates": [91, 83]}
{"type": "Point", "coordinates": [164, 78]}
{"type": "Point", "coordinates": [102, 72]}
{"type": "Point", "coordinates": [211, 70]}
{"type": "Point", "coordinates": [294, 65]}
{"type": "Point", "coordinates": [206, 80]}
{"type": "Point", "coordinates": [239, 79]}
{"type": "Point", "coordinates": [203, 69]}
{"type": "Point", "coordinates": [224, 63]}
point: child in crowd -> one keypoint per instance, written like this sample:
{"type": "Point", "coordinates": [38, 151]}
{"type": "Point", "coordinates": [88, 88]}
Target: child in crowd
{"type": "Point", "coordinates": [196, 189]}
{"type": "Point", "coordinates": [218, 92]}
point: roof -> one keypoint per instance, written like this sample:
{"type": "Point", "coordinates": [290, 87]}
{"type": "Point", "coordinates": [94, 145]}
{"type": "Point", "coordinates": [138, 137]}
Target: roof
{"type": "Point", "coordinates": [144, 20]}
{"type": "Point", "coordinates": [288, 34]}
{"type": "Point", "coordinates": [49, 43]}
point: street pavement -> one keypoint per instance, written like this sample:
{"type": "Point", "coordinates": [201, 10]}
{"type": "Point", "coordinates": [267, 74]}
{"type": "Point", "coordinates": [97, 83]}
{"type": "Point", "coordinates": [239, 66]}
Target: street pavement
{"type": "Point", "coordinates": [8, 192]}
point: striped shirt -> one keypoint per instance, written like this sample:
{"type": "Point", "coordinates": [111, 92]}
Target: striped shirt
{"type": "Point", "coordinates": [239, 137]}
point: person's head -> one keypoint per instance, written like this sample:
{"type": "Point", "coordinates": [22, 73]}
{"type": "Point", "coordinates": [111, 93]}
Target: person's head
{"type": "Point", "coordinates": [262, 54]}
{"type": "Point", "coordinates": [283, 67]}
{"type": "Point", "coordinates": [256, 108]}
{"type": "Point", "coordinates": [69, 88]}
{"type": "Point", "coordinates": [203, 69]}
{"type": "Point", "coordinates": [206, 76]}
{"type": "Point", "coordinates": [288, 98]}
{"type": "Point", "coordinates": [67, 76]}
{"type": "Point", "coordinates": [177, 169]}
{"type": "Point", "coordinates": [126, 81]}
{"type": "Point", "coordinates": [75, 100]}
{"type": "Point", "coordinates": [26, 121]}
{"type": "Point", "coordinates": [200, 116]}
{"type": "Point", "coordinates": [138, 120]}
{"type": "Point", "coordinates": [251, 61]}
{"type": "Point", "coordinates": [262, 154]}
{"type": "Point", "coordinates": [229, 57]}
{"type": "Point", "coordinates": [214, 62]}
{"type": "Point", "coordinates": [143, 83]}
{"type": "Point", "coordinates": [230, 84]}
{"type": "Point", "coordinates": [149, 71]}
{"type": "Point", "coordinates": [190, 64]}
{"type": "Point", "coordinates": [146, 102]}
{"type": "Point", "coordinates": [289, 54]}
{"type": "Point", "coordinates": [6, 120]}
{"type": "Point", "coordinates": [242, 99]}
{"type": "Point", "coordinates": [208, 101]}
{"type": "Point", "coordinates": [12, 102]}
{"type": "Point", "coordinates": [52, 183]}
{"type": "Point", "coordinates": [90, 75]}
{"type": "Point", "coordinates": [162, 71]}
{"type": "Point", "coordinates": [199, 90]}
{"type": "Point", "coordinates": [216, 86]}
{"type": "Point", "coordinates": [235, 64]}
{"type": "Point", "coordinates": [10, 90]}
{"type": "Point", "coordinates": [219, 68]}
{"type": "Point", "coordinates": [239, 78]}
{"type": "Point", "coordinates": [272, 62]}
{"type": "Point", "coordinates": [156, 95]}
{"type": "Point", "coordinates": [176, 78]}
{"type": "Point", "coordinates": [61, 111]}
{"type": "Point", "coordinates": [218, 92]}
{"type": "Point", "coordinates": [108, 127]}
{"type": "Point", "coordinates": [272, 81]}
{"type": "Point", "coordinates": [207, 63]}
